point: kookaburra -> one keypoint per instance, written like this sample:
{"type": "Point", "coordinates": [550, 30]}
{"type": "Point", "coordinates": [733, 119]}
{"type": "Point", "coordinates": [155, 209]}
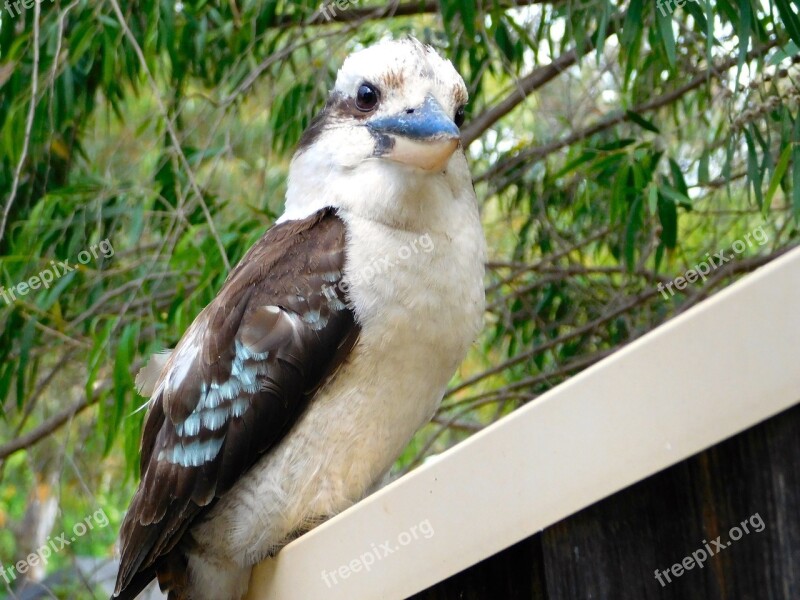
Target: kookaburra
{"type": "Point", "coordinates": [332, 341]}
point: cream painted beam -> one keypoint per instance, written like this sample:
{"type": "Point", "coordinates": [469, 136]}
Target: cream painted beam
{"type": "Point", "coordinates": [717, 369]}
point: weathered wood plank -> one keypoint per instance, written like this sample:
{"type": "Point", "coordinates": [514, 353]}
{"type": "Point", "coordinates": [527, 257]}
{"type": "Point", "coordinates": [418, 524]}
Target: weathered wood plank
{"type": "Point", "coordinates": [613, 548]}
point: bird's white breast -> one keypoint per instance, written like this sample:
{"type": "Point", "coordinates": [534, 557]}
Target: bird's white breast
{"type": "Point", "coordinates": [418, 296]}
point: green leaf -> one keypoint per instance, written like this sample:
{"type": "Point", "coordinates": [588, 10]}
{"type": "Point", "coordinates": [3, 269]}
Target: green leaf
{"type": "Point", "coordinates": [468, 17]}
{"type": "Point", "coordinates": [675, 195]}
{"type": "Point", "coordinates": [652, 199]}
{"type": "Point", "coordinates": [132, 426]}
{"type": "Point", "coordinates": [632, 52]}
{"type": "Point", "coordinates": [639, 178]}
{"type": "Point", "coordinates": [585, 156]}
{"type": "Point", "coordinates": [781, 54]}
{"type": "Point", "coordinates": [109, 58]}
{"type": "Point", "coordinates": [753, 172]}
{"type": "Point", "coordinates": [6, 378]}
{"type": "Point", "coordinates": [503, 41]}
{"type": "Point", "coordinates": [14, 133]}
{"type": "Point", "coordinates": [618, 194]}
{"type": "Point", "coordinates": [80, 40]}
{"type": "Point", "coordinates": [790, 19]}
{"type": "Point", "coordinates": [642, 122]}
{"type": "Point", "coordinates": [667, 36]}
{"type": "Point", "coordinates": [449, 9]}
{"type": "Point", "coordinates": [743, 32]}
{"type": "Point", "coordinates": [616, 145]}
{"type": "Point", "coordinates": [709, 30]}
{"type": "Point", "coordinates": [96, 360]}
{"type": "Point", "coordinates": [601, 30]}
{"type": "Point", "coordinates": [46, 300]}
{"type": "Point", "coordinates": [659, 256]}
{"type": "Point", "coordinates": [693, 9]}
{"type": "Point", "coordinates": [25, 345]}
{"type": "Point", "coordinates": [633, 23]}
{"type": "Point", "coordinates": [677, 178]}
{"type": "Point", "coordinates": [668, 217]}
{"type": "Point", "coordinates": [122, 380]}
{"type": "Point", "coordinates": [631, 229]}
{"type": "Point", "coordinates": [796, 170]}
{"type": "Point", "coordinates": [777, 176]}
{"type": "Point", "coordinates": [702, 168]}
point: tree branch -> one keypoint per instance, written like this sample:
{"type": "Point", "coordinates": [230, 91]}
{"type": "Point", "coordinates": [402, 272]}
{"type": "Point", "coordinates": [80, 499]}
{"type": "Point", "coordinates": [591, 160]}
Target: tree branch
{"type": "Point", "coordinates": [538, 152]}
{"type": "Point", "coordinates": [330, 12]}
{"type": "Point", "coordinates": [530, 83]}
{"type": "Point", "coordinates": [43, 430]}
{"type": "Point", "coordinates": [549, 345]}
{"type": "Point", "coordinates": [543, 377]}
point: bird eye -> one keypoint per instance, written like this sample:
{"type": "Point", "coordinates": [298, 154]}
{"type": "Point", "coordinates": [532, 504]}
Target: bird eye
{"type": "Point", "coordinates": [459, 118]}
{"type": "Point", "coordinates": [367, 97]}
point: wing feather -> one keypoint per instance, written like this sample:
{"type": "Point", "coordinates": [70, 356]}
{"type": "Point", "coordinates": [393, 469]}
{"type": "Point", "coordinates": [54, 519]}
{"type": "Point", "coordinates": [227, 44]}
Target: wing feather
{"type": "Point", "coordinates": [238, 379]}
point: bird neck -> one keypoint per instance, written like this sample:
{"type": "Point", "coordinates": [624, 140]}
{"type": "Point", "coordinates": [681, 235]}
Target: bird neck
{"type": "Point", "coordinates": [380, 190]}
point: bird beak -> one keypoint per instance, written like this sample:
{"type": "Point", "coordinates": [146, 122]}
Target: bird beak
{"type": "Point", "coordinates": [423, 137]}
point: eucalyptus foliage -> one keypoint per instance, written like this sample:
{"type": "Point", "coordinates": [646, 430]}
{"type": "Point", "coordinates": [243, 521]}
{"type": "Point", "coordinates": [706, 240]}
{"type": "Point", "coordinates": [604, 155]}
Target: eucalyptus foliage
{"type": "Point", "coordinates": [615, 145]}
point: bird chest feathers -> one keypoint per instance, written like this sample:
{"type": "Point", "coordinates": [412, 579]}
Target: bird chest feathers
{"type": "Point", "coordinates": [419, 300]}
{"type": "Point", "coordinates": [329, 345]}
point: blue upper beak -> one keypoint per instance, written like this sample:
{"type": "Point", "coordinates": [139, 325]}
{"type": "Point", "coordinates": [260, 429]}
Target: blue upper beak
{"type": "Point", "coordinates": [426, 122]}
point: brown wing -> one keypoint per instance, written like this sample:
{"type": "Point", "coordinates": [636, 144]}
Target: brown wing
{"type": "Point", "coordinates": [239, 378]}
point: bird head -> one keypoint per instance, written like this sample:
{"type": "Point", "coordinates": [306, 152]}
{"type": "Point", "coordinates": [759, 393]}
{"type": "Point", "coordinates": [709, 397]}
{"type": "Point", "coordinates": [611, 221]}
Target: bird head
{"type": "Point", "coordinates": [390, 123]}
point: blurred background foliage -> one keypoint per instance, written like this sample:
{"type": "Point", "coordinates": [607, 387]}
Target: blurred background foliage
{"type": "Point", "coordinates": [614, 146]}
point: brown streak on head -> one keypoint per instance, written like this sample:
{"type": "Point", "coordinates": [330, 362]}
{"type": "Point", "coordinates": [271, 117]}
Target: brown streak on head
{"type": "Point", "coordinates": [459, 96]}
{"type": "Point", "coordinates": [394, 79]}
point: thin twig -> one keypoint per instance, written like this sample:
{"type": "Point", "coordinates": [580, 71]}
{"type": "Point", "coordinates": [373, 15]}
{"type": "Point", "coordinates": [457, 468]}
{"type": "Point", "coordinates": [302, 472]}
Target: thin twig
{"type": "Point", "coordinates": [43, 430]}
{"type": "Point", "coordinates": [391, 10]}
{"type": "Point", "coordinates": [530, 83]}
{"type": "Point", "coordinates": [614, 118]}
{"type": "Point", "coordinates": [43, 385]}
{"type": "Point", "coordinates": [528, 382]}
{"type": "Point", "coordinates": [29, 123]}
{"type": "Point", "coordinates": [586, 328]}
{"type": "Point", "coordinates": [171, 131]}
